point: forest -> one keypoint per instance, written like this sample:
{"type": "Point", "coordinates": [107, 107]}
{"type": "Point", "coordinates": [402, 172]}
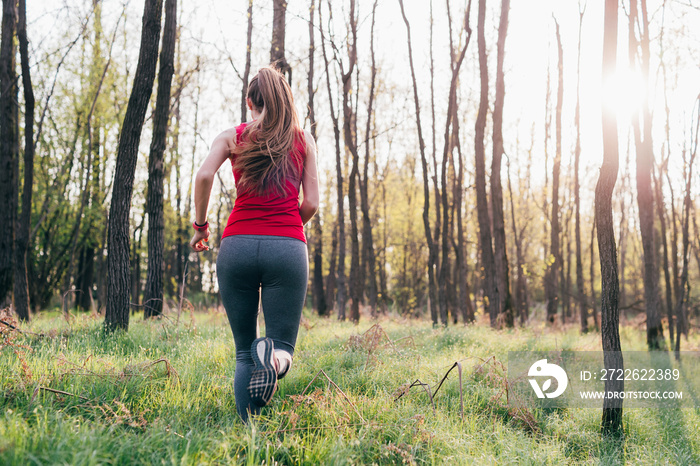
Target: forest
{"type": "Point", "coordinates": [481, 164]}
{"type": "Point", "coordinates": [434, 195]}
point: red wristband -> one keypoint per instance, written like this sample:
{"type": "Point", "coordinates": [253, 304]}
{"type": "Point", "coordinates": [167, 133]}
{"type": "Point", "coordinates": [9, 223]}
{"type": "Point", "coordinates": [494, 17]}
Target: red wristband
{"type": "Point", "coordinates": [200, 227]}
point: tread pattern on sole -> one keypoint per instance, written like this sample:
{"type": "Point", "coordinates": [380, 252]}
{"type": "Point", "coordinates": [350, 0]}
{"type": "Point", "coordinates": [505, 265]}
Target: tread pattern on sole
{"type": "Point", "coordinates": [263, 381]}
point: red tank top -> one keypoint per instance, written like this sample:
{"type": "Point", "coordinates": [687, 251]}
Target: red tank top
{"type": "Point", "coordinates": [270, 214]}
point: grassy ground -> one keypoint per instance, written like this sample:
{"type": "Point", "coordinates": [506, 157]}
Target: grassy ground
{"type": "Point", "coordinates": [163, 394]}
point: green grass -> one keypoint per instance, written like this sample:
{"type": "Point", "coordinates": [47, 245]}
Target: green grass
{"type": "Point", "coordinates": [118, 408]}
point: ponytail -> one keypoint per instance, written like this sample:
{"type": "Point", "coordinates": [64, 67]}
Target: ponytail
{"type": "Point", "coordinates": [263, 151]}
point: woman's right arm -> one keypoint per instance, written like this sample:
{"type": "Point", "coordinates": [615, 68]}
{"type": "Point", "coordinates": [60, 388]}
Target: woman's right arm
{"type": "Point", "coordinates": [219, 152]}
{"type": "Point", "coordinates": [309, 182]}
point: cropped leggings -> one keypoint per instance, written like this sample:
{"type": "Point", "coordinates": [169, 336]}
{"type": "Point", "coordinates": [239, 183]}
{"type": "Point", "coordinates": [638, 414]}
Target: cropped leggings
{"type": "Point", "coordinates": [273, 270]}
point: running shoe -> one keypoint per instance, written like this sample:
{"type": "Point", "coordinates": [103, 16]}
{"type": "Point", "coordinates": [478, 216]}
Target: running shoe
{"type": "Point", "coordinates": [263, 381]}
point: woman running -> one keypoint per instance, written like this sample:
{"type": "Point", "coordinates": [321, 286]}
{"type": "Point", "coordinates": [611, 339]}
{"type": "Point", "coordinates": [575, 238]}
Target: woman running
{"type": "Point", "coordinates": [263, 256]}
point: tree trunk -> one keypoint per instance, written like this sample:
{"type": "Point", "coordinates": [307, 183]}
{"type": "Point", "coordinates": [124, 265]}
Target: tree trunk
{"type": "Point", "coordinates": [645, 196]}
{"type": "Point", "coordinates": [383, 291]}
{"type": "Point", "coordinates": [180, 253]}
{"type": "Point", "coordinates": [448, 148]}
{"type": "Point", "coordinates": [661, 212]}
{"type": "Point", "coordinates": [624, 188]}
{"type": "Point", "coordinates": [432, 247]}
{"type": "Point", "coordinates": [21, 288]}
{"type": "Point", "coordinates": [153, 293]}
{"type": "Point", "coordinates": [488, 272]}
{"type": "Point", "coordinates": [594, 309]}
{"type": "Point", "coordinates": [436, 187]}
{"type": "Point", "coordinates": [340, 276]}
{"type": "Point", "coordinates": [545, 188]}
{"type": "Point", "coordinates": [319, 297]}
{"type": "Point", "coordinates": [499, 228]}
{"type": "Point", "coordinates": [367, 236]}
{"type": "Point", "coordinates": [277, 57]}
{"type": "Point", "coordinates": [580, 287]}
{"type": "Point", "coordinates": [551, 282]}
{"type": "Point", "coordinates": [465, 304]}
{"type": "Point", "coordinates": [521, 298]}
{"type": "Point", "coordinates": [674, 240]}
{"type": "Point", "coordinates": [567, 275]}
{"type": "Point", "coordinates": [192, 280]}
{"type": "Point", "coordinates": [331, 280]}
{"type": "Point", "coordinates": [9, 153]}
{"type": "Point", "coordinates": [246, 71]}
{"type": "Point", "coordinates": [348, 137]}
{"type": "Point", "coordinates": [136, 265]}
{"type": "Point", "coordinates": [117, 315]}
{"type": "Point", "coordinates": [681, 317]}
{"type": "Point", "coordinates": [612, 407]}
{"type": "Point", "coordinates": [93, 243]}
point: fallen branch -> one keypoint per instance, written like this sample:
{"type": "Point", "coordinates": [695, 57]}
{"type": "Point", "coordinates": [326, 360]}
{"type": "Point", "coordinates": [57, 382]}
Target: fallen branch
{"type": "Point", "coordinates": [418, 383]}
{"type": "Point", "coordinates": [169, 369]}
{"type": "Point", "coordinates": [20, 330]}
{"type": "Point", "coordinates": [53, 390]}
{"type": "Point", "coordinates": [458, 364]}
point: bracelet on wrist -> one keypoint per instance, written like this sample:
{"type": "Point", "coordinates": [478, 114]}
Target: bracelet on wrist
{"type": "Point", "coordinates": [199, 227]}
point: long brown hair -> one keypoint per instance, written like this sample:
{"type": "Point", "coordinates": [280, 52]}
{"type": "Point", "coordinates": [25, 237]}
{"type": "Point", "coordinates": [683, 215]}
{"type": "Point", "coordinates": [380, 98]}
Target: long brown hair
{"type": "Point", "coordinates": [263, 151]}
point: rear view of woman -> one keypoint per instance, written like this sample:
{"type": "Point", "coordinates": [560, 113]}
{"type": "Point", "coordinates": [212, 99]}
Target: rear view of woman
{"type": "Point", "coordinates": [263, 256]}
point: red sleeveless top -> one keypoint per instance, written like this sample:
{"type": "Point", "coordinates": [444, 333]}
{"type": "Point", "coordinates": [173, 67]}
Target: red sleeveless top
{"type": "Point", "coordinates": [270, 214]}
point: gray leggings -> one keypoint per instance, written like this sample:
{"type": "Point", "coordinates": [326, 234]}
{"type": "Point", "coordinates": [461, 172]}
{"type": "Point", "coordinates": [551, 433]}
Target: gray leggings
{"type": "Point", "coordinates": [254, 268]}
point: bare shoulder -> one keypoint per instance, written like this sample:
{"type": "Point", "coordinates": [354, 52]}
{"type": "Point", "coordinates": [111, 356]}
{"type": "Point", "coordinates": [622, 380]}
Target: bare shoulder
{"type": "Point", "coordinates": [310, 142]}
{"type": "Point", "coordinates": [226, 137]}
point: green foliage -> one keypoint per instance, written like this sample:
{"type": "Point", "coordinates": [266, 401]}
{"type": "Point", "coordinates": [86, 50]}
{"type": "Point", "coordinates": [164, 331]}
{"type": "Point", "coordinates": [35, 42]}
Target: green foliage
{"type": "Point", "coordinates": [80, 124]}
{"type": "Point", "coordinates": [163, 393]}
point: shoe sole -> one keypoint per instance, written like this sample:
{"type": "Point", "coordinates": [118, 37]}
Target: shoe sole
{"type": "Point", "coordinates": [263, 381]}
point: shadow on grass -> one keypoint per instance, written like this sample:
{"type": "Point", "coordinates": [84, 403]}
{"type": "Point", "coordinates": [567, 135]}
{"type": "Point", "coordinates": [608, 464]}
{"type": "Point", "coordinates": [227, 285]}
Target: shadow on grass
{"type": "Point", "coordinates": [671, 417]}
{"type": "Point", "coordinates": [612, 450]}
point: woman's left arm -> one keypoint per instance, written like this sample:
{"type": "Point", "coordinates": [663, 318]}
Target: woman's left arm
{"type": "Point", "coordinates": [218, 154]}
{"type": "Point", "coordinates": [309, 181]}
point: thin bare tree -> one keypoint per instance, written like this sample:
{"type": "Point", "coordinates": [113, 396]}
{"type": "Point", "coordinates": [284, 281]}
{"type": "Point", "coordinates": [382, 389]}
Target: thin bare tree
{"type": "Point", "coordinates": [432, 246]}
{"type": "Point", "coordinates": [645, 196]}
{"type": "Point", "coordinates": [500, 250]}
{"type": "Point", "coordinates": [488, 273]}
{"type": "Point", "coordinates": [456, 61]}
{"type": "Point", "coordinates": [554, 261]}
{"type": "Point", "coordinates": [434, 261]}
{"type": "Point", "coordinates": [367, 236]}
{"type": "Point", "coordinates": [658, 180]}
{"type": "Point", "coordinates": [661, 213]}
{"type": "Point", "coordinates": [246, 70]}
{"type": "Point", "coordinates": [349, 116]}
{"type": "Point", "coordinates": [319, 296]}
{"type": "Point", "coordinates": [681, 314]}
{"type": "Point", "coordinates": [338, 276]}
{"type": "Point", "coordinates": [610, 314]}
{"type": "Point", "coordinates": [521, 295]}
{"type": "Point", "coordinates": [465, 303]}
{"type": "Point", "coordinates": [580, 287]}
